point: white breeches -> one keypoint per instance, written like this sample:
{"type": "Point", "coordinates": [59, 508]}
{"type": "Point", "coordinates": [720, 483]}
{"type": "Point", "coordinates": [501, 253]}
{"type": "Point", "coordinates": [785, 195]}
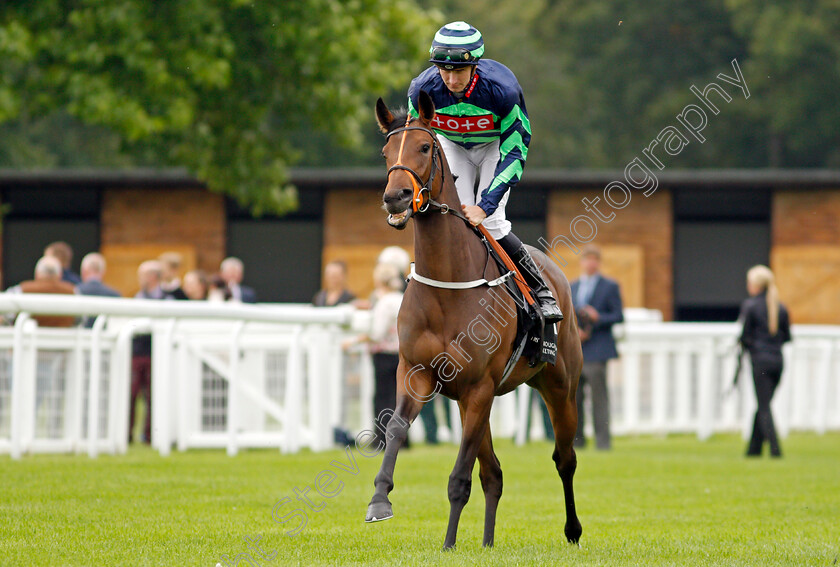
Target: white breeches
{"type": "Point", "coordinates": [477, 163]}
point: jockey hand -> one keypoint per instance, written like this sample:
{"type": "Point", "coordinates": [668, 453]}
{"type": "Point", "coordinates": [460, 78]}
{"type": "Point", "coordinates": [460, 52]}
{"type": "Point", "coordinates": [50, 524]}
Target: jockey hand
{"type": "Point", "coordinates": [474, 214]}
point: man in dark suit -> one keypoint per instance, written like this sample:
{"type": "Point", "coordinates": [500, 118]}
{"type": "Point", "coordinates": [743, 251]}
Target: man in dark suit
{"type": "Point", "coordinates": [232, 270]}
{"type": "Point", "coordinates": [597, 302]}
{"type": "Point", "coordinates": [93, 270]}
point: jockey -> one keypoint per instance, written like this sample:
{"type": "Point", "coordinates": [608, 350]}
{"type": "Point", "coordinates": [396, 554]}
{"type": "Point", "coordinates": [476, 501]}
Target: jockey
{"type": "Point", "coordinates": [484, 131]}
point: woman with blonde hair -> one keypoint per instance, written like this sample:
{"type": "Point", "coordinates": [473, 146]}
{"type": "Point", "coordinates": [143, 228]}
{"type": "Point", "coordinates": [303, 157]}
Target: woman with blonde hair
{"type": "Point", "coordinates": [766, 329]}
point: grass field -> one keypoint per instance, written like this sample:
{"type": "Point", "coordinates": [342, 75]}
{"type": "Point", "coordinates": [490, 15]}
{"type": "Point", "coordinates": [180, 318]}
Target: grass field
{"type": "Point", "coordinates": [651, 501]}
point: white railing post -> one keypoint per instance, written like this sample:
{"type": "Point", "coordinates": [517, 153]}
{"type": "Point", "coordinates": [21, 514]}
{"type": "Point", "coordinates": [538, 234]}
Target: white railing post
{"type": "Point", "coordinates": [682, 386]}
{"type": "Point", "coordinates": [187, 390]}
{"type": "Point", "coordinates": [21, 413]}
{"type": "Point", "coordinates": [822, 391]}
{"type": "Point", "coordinates": [631, 366]}
{"type": "Point", "coordinates": [93, 386]}
{"type": "Point", "coordinates": [366, 387]}
{"type": "Point", "coordinates": [455, 419]}
{"type": "Point", "coordinates": [294, 393]}
{"type": "Point", "coordinates": [233, 389]}
{"type": "Point", "coordinates": [318, 399]}
{"type": "Point", "coordinates": [834, 412]}
{"type": "Point", "coordinates": [659, 396]}
{"type": "Point", "coordinates": [163, 388]}
{"type": "Point", "coordinates": [523, 406]}
{"type": "Point", "coordinates": [74, 416]}
{"type": "Point", "coordinates": [706, 390]}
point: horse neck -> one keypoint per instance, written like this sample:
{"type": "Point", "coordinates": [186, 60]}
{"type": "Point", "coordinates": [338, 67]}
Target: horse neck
{"type": "Point", "coordinates": [445, 247]}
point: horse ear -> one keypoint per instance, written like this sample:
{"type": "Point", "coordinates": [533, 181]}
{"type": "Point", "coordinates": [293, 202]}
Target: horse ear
{"type": "Point", "coordinates": [425, 107]}
{"type": "Point", "coordinates": [383, 115]}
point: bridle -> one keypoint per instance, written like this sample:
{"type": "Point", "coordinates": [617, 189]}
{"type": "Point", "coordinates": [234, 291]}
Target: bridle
{"type": "Point", "coordinates": [421, 200]}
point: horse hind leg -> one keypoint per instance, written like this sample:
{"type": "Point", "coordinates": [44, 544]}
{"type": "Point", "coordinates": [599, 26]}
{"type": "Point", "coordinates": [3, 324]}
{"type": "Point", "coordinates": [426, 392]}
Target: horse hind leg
{"type": "Point", "coordinates": [563, 411]}
{"type": "Point", "coordinates": [490, 473]}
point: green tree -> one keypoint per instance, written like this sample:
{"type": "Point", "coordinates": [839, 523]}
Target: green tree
{"type": "Point", "coordinates": [794, 64]}
{"type": "Point", "coordinates": [213, 85]}
{"type": "Point", "coordinates": [603, 77]}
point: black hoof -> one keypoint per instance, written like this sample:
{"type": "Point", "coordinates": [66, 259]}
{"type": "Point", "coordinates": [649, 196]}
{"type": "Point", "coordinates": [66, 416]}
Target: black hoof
{"type": "Point", "coordinates": [573, 533]}
{"type": "Point", "coordinates": [378, 511]}
{"type": "Point", "coordinates": [449, 547]}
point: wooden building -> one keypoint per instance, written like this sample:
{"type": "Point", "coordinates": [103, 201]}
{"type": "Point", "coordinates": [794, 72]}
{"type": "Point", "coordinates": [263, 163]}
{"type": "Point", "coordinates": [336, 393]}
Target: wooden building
{"type": "Point", "coordinates": [683, 249]}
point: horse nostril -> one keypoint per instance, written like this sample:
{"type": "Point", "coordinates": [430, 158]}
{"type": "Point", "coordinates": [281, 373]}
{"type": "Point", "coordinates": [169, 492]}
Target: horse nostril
{"type": "Point", "coordinates": [405, 194]}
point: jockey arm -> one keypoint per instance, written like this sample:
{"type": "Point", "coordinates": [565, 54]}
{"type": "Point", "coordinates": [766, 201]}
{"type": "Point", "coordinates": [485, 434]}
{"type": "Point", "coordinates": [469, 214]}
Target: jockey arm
{"type": "Point", "coordinates": [513, 149]}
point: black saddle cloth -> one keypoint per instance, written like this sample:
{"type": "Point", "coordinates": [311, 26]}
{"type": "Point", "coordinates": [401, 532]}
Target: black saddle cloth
{"type": "Point", "coordinates": [534, 338]}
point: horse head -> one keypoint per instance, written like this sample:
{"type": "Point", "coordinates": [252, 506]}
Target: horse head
{"type": "Point", "coordinates": [414, 159]}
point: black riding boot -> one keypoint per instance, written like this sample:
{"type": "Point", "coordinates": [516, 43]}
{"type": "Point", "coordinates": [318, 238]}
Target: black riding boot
{"type": "Point", "coordinates": [551, 312]}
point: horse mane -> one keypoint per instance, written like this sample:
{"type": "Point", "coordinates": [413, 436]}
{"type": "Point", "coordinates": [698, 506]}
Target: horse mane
{"type": "Point", "coordinates": [400, 116]}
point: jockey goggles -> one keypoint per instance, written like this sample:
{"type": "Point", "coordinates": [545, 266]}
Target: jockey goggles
{"type": "Point", "coordinates": [452, 57]}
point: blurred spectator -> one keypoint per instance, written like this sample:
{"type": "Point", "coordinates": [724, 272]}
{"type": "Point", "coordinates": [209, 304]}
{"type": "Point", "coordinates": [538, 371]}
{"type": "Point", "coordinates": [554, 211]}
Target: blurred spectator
{"type": "Point", "coordinates": [384, 341]}
{"type": "Point", "coordinates": [232, 270]}
{"type": "Point", "coordinates": [64, 253]}
{"type": "Point", "coordinates": [217, 289]}
{"type": "Point", "coordinates": [93, 270]}
{"type": "Point", "coordinates": [195, 284]}
{"type": "Point", "coordinates": [149, 276]}
{"type": "Point", "coordinates": [766, 329]}
{"type": "Point", "coordinates": [48, 272]}
{"type": "Point", "coordinates": [171, 270]}
{"type": "Point", "coordinates": [335, 286]}
{"type": "Point", "coordinates": [597, 302]}
{"type": "Point", "coordinates": [397, 257]}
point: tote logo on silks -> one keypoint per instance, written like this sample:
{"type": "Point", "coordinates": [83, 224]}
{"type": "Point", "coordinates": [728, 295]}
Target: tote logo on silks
{"type": "Point", "coordinates": [463, 124]}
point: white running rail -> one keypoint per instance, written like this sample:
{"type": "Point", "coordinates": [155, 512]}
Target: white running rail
{"type": "Point", "coordinates": [235, 376]}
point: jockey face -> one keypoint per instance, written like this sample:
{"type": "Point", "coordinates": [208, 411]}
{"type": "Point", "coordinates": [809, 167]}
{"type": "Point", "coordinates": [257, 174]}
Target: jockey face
{"type": "Point", "coordinates": [457, 79]}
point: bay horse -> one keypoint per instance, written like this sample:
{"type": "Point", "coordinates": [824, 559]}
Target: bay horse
{"type": "Point", "coordinates": [455, 341]}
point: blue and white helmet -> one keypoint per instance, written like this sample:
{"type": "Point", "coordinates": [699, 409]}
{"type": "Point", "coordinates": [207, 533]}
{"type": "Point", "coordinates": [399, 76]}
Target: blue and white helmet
{"type": "Point", "coordinates": [455, 45]}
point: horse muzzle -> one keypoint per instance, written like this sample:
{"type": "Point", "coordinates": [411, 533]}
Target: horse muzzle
{"type": "Point", "coordinates": [398, 207]}
{"type": "Point", "coordinates": [399, 220]}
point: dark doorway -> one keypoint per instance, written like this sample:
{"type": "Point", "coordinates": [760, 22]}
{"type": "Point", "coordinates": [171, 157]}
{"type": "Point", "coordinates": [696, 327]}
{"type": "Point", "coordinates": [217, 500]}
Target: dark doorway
{"type": "Point", "coordinates": [718, 235]}
{"type": "Point", "coordinates": [37, 216]}
{"type": "Point", "coordinates": [282, 255]}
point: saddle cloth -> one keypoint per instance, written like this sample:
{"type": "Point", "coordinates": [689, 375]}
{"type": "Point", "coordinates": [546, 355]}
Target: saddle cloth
{"type": "Point", "coordinates": [534, 339]}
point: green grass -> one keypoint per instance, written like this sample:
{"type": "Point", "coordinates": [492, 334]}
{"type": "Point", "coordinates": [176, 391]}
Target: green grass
{"type": "Point", "coordinates": [650, 501]}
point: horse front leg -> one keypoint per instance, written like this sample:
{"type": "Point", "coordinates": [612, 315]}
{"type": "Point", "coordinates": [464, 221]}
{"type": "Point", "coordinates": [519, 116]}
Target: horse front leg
{"type": "Point", "coordinates": [475, 412]}
{"type": "Point", "coordinates": [490, 473]}
{"type": "Point", "coordinates": [408, 407]}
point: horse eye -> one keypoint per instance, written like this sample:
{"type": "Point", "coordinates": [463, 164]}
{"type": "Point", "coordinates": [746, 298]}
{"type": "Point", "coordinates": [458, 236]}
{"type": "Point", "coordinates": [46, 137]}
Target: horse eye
{"type": "Point", "coordinates": [425, 149]}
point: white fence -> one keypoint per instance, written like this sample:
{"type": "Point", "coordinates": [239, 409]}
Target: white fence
{"type": "Point", "coordinates": [236, 376]}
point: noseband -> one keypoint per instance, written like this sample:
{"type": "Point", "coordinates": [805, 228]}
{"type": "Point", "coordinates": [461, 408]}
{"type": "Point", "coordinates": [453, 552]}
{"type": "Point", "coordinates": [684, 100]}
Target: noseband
{"type": "Point", "coordinates": [422, 197]}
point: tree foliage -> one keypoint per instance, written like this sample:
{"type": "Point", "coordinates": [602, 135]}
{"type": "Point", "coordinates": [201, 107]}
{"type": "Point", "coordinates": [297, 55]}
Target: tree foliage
{"type": "Point", "coordinates": [602, 77]}
{"type": "Point", "coordinates": [214, 85]}
{"type": "Point", "coordinates": [238, 90]}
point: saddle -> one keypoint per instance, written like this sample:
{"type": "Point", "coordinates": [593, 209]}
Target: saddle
{"type": "Point", "coordinates": [534, 338]}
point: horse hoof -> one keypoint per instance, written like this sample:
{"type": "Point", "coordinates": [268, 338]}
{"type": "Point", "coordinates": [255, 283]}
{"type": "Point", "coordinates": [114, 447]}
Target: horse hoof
{"type": "Point", "coordinates": [379, 511]}
{"type": "Point", "coordinates": [573, 533]}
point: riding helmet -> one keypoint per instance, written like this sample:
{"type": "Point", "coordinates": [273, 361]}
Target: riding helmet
{"type": "Point", "coordinates": [456, 44]}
